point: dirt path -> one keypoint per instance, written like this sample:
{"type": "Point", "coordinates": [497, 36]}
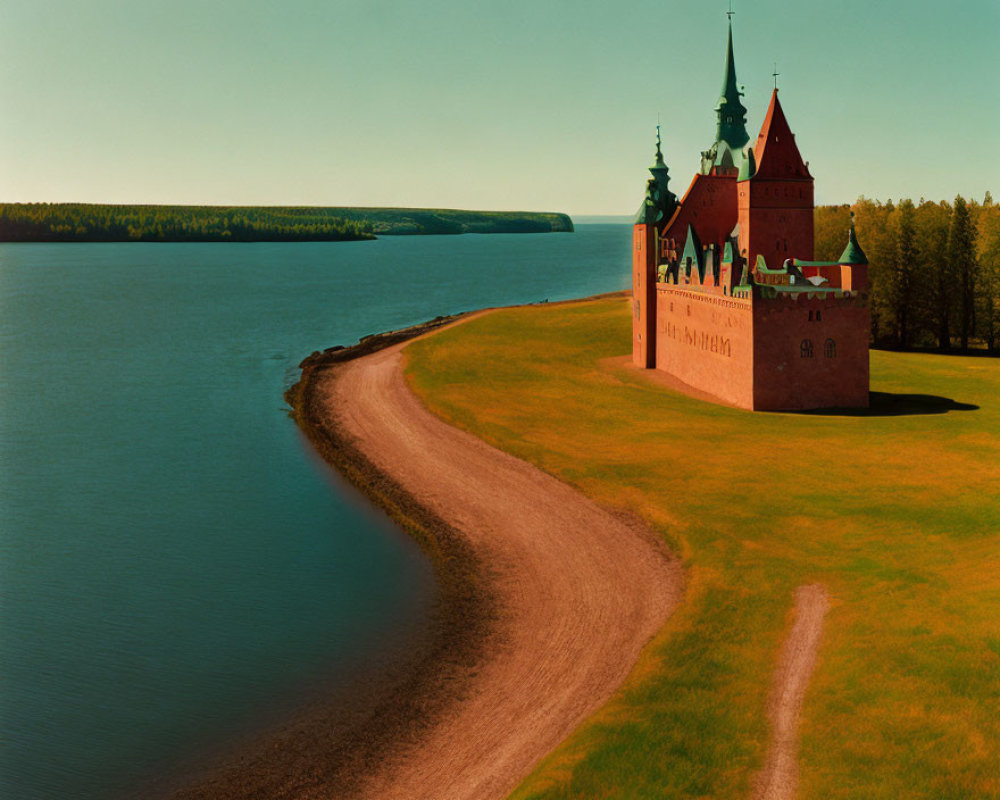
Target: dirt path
{"type": "Point", "coordinates": [779, 778]}
{"type": "Point", "coordinates": [579, 590]}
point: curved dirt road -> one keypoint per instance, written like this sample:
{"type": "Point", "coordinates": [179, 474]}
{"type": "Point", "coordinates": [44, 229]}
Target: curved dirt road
{"type": "Point", "coordinates": [579, 590]}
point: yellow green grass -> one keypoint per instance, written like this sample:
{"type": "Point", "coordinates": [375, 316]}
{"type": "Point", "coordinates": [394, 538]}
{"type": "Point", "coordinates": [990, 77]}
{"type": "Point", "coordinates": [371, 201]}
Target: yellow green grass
{"type": "Point", "coordinates": [898, 515]}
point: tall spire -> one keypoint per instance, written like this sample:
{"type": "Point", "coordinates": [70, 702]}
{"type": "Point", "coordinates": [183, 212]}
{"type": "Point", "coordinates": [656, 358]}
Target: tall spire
{"type": "Point", "coordinates": [731, 112]}
{"type": "Point", "coordinates": [660, 202]}
{"type": "Point", "coordinates": [731, 128]}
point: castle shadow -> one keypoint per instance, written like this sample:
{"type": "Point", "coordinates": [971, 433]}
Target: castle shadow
{"type": "Point", "coordinates": [890, 404]}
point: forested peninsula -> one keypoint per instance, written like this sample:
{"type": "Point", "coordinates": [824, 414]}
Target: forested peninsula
{"type": "Point", "coordinates": [88, 222]}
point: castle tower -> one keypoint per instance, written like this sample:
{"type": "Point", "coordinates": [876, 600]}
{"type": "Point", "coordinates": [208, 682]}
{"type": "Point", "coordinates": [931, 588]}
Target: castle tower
{"type": "Point", "coordinates": [775, 196]}
{"type": "Point", "coordinates": [657, 207]}
{"type": "Point", "coordinates": [731, 134]}
{"type": "Point", "coordinates": [709, 205]}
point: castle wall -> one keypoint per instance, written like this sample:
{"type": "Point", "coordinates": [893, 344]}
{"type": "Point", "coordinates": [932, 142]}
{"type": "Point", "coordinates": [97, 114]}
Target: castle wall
{"type": "Point", "coordinates": [786, 376]}
{"type": "Point", "coordinates": [705, 340]}
{"type": "Point", "coordinates": [643, 296]}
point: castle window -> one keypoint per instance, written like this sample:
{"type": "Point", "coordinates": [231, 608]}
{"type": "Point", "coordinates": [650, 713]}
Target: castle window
{"type": "Point", "coordinates": [806, 348]}
{"type": "Point", "coordinates": [819, 315]}
{"type": "Point", "coordinates": [810, 316]}
{"type": "Point", "coordinates": [830, 349]}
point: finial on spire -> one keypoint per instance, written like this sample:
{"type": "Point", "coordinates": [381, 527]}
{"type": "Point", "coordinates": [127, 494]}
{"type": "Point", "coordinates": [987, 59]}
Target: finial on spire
{"type": "Point", "coordinates": [659, 153]}
{"type": "Point", "coordinates": [730, 12]}
{"type": "Point", "coordinates": [775, 75]}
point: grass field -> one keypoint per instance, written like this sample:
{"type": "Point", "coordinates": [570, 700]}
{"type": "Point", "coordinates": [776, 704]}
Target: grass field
{"type": "Point", "coordinates": [897, 513]}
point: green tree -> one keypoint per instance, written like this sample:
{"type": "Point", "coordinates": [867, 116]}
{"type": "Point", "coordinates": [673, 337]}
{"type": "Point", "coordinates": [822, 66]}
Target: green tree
{"type": "Point", "coordinates": [988, 252]}
{"type": "Point", "coordinates": [903, 278]}
{"type": "Point", "coordinates": [962, 255]}
{"type": "Point", "coordinates": [876, 231]}
{"type": "Point", "coordinates": [939, 282]}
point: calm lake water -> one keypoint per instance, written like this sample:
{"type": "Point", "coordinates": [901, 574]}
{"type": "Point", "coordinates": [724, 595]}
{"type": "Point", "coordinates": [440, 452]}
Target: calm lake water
{"type": "Point", "coordinates": [177, 566]}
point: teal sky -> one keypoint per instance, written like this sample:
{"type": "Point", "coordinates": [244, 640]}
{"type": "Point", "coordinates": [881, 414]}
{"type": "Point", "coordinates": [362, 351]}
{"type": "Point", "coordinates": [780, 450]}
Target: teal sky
{"type": "Point", "coordinates": [521, 104]}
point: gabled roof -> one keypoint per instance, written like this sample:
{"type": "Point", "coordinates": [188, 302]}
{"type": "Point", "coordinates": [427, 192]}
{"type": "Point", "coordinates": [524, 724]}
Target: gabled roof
{"type": "Point", "coordinates": [692, 250]}
{"type": "Point", "coordinates": [776, 152]}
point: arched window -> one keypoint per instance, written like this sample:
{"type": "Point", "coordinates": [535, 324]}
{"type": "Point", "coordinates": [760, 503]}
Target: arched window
{"type": "Point", "coordinates": [806, 348]}
{"type": "Point", "coordinates": [819, 315]}
{"type": "Point", "coordinates": [830, 349]}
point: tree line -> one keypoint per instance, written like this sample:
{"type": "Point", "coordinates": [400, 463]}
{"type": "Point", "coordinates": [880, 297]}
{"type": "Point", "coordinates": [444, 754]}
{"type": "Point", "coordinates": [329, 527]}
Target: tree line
{"type": "Point", "coordinates": [934, 269]}
{"type": "Point", "coordinates": [88, 222]}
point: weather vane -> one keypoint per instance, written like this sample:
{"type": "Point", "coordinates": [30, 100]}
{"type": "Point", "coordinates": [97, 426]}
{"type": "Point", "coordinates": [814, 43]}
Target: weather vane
{"type": "Point", "coordinates": [775, 75]}
{"type": "Point", "coordinates": [730, 12]}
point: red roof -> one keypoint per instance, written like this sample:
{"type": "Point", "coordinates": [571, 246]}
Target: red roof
{"type": "Point", "coordinates": [776, 153]}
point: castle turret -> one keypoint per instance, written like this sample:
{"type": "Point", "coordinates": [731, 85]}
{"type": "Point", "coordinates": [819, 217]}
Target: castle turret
{"type": "Point", "coordinates": [657, 207]}
{"type": "Point", "coordinates": [853, 254]}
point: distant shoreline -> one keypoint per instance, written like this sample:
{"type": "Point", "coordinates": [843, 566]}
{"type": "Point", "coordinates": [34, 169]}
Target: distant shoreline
{"type": "Point", "coordinates": [92, 222]}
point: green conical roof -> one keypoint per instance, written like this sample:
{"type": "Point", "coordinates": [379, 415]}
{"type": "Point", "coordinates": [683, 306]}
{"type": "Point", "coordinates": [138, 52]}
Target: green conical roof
{"type": "Point", "coordinates": [853, 254]}
{"type": "Point", "coordinates": [659, 166]}
{"type": "Point", "coordinates": [659, 203]}
{"type": "Point", "coordinates": [731, 112]}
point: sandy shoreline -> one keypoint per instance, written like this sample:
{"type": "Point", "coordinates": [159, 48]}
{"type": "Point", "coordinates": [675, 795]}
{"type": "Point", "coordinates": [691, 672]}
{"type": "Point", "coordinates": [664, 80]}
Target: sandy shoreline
{"type": "Point", "coordinates": [327, 749]}
{"type": "Point", "coordinates": [544, 602]}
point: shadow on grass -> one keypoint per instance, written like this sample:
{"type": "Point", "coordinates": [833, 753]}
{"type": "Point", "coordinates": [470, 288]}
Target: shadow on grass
{"type": "Point", "coordinates": [888, 404]}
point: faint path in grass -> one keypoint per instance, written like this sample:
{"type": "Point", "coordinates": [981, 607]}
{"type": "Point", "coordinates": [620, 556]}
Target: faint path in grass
{"type": "Point", "coordinates": [780, 775]}
{"type": "Point", "coordinates": [579, 590]}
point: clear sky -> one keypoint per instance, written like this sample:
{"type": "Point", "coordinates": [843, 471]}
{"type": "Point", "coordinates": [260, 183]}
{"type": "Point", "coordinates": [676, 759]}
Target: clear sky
{"type": "Point", "coordinates": [504, 104]}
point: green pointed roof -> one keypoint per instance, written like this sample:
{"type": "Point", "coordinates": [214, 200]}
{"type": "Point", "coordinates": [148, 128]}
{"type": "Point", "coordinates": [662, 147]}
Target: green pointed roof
{"type": "Point", "coordinates": [692, 250]}
{"type": "Point", "coordinates": [732, 114]}
{"type": "Point", "coordinates": [853, 254]}
{"type": "Point", "coordinates": [731, 126]}
{"type": "Point", "coordinates": [659, 203]}
{"type": "Point", "coordinates": [659, 170]}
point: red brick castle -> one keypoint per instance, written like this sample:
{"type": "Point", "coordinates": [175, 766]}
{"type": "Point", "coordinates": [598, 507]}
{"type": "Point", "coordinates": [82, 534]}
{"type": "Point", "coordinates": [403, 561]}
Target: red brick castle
{"type": "Point", "coordinates": [726, 296]}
